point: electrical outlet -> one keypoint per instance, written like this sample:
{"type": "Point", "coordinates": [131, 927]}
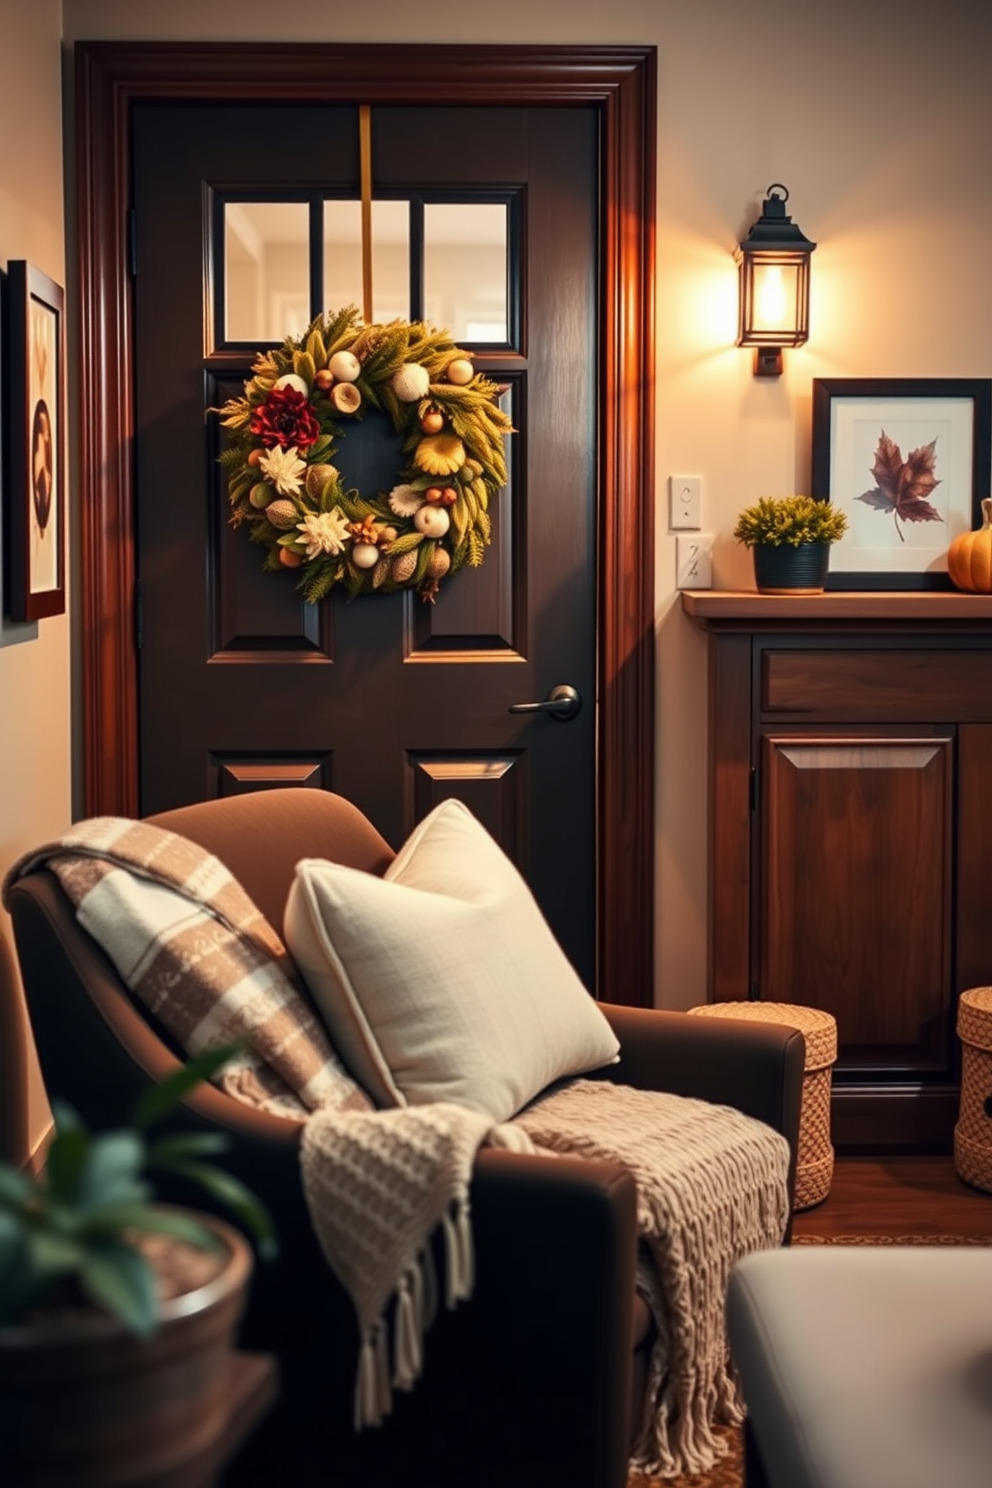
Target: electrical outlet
{"type": "Point", "coordinates": [685, 496]}
{"type": "Point", "coordinates": [693, 561]}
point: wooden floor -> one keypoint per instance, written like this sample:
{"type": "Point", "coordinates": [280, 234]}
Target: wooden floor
{"type": "Point", "coordinates": [898, 1196]}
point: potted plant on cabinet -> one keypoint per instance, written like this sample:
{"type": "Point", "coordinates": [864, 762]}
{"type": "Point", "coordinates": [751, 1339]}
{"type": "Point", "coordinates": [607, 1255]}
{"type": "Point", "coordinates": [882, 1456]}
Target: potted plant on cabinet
{"type": "Point", "coordinates": [118, 1314]}
{"type": "Point", "coordinates": [789, 538]}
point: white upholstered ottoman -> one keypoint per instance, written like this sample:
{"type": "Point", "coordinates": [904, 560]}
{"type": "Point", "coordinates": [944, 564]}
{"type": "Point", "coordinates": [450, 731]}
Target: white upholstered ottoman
{"type": "Point", "coordinates": [866, 1366]}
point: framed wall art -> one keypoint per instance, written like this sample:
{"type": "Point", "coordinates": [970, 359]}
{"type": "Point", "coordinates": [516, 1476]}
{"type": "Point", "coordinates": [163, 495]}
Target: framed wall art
{"type": "Point", "coordinates": [909, 461]}
{"type": "Point", "coordinates": [34, 497]}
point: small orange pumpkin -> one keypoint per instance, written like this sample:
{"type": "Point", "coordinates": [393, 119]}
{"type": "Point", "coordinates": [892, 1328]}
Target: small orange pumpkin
{"type": "Point", "coordinates": [969, 558]}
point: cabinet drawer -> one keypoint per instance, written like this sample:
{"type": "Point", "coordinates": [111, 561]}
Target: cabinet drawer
{"type": "Point", "coordinates": [912, 686]}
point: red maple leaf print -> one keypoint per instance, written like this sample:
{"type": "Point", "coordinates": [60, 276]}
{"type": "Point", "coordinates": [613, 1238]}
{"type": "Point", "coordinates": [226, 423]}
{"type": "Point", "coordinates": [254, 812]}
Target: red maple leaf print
{"type": "Point", "coordinates": [903, 485]}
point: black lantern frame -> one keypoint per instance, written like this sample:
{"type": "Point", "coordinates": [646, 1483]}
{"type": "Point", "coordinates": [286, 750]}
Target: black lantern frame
{"type": "Point", "coordinates": [774, 255]}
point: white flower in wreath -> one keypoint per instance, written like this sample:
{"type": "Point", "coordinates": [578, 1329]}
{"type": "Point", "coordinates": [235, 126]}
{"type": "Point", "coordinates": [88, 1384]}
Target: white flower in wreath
{"type": "Point", "coordinates": [324, 532]}
{"type": "Point", "coordinates": [405, 500]}
{"type": "Point", "coordinates": [284, 468]}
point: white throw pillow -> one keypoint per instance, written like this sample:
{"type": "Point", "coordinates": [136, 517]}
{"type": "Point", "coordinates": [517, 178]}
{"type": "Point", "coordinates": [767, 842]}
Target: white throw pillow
{"type": "Point", "coordinates": [442, 981]}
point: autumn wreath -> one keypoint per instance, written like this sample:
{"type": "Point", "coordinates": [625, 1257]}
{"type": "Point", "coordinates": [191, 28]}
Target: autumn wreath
{"type": "Point", "coordinates": [287, 427]}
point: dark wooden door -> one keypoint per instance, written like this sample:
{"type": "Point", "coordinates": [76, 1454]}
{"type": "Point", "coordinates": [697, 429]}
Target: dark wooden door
{"type": "Point", "coordinates": [113, 79]}
{"type": "Point", "coordinates": [393, 703]}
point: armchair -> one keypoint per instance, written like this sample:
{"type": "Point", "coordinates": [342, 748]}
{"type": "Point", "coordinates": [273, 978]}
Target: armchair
{"type": "Point", "coordinates": [540, 1377]}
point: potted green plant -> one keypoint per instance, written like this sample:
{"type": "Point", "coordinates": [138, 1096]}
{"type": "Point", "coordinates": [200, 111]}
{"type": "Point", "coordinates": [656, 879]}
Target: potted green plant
{"type": "Point", "coordinates": [118, 1313]}
{"type": "Point", "coordinates": [789, 538]}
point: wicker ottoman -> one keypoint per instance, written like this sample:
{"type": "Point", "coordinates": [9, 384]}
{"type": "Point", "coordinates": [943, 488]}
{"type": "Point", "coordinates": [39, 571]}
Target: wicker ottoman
{"type": "Point", "coordinates": [973, 1132]}
{"type": "Point", "coordinates": [815, 1163]}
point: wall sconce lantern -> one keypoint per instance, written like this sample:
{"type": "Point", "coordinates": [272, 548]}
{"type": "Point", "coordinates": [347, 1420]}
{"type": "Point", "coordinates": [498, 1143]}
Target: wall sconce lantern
{"type": "Point", "coordinates": [773, 262]}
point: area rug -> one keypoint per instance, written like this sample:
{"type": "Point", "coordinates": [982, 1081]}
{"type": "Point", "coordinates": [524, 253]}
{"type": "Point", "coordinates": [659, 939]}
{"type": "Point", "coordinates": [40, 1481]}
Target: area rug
{"type": "Point", "coordinates": [892, 1240]}
{"type": "Point", "coordinates": [729, 1471]}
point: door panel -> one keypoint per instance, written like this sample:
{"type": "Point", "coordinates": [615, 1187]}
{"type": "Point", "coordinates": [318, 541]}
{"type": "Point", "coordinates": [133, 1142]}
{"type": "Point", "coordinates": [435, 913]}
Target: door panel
{"type": "Point", "coordinates": [391, 702]}
{"type": "Point", "coordinates": [233, 775]}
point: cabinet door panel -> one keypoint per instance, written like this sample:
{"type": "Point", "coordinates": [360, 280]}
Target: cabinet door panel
{"type": "Point", "coordinates": [856, 891]}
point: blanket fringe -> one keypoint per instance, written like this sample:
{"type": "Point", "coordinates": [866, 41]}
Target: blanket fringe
{"type": "Point", "coordinates": [409, 1329]}
{"type": "Point", "coordinates": [415, 1306]}
{"type": "Point", "coordinates": [460, 1258]}
{"type": "Point", "coordinates": [373, 1397]}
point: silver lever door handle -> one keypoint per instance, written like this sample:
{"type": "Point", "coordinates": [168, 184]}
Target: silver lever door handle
{"type": "Point", "coordinates": [561, 702]}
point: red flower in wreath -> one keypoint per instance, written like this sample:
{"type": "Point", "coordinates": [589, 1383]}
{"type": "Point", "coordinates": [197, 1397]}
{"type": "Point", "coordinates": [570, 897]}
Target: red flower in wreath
{"type": "Point", "coordinates": [286, 419]}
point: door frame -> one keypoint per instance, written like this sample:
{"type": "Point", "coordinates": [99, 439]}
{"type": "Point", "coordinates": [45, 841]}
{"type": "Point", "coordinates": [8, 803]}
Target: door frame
{"type": "Point", "coordinates": [620, 82]}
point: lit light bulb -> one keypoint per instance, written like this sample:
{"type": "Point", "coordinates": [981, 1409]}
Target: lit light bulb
{"type": "Point", "coordinates": [769, 298]}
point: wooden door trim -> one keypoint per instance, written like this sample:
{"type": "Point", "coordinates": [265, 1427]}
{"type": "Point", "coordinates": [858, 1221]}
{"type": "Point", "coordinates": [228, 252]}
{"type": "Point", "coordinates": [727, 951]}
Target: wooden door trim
{"type": "Point", "coordinates": [620, 82]}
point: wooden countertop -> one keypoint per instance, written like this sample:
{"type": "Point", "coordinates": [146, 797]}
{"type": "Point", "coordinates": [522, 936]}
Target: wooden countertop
{"type": "Point", "coordinates": [876, 605]}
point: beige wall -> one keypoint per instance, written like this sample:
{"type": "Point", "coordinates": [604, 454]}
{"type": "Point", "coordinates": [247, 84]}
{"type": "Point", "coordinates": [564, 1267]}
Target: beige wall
{"type": "Point", "coordinates": [35, 763]}
{"type": "Point", "coordinates": [876, 115]}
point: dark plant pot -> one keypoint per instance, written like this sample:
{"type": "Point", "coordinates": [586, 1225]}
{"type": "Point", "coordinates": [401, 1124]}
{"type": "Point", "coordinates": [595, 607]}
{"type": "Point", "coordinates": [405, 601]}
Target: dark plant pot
{"type": "Point", "coordinates": [85, 1404]}
{"type": "Point", "coordinates": [789, 570]}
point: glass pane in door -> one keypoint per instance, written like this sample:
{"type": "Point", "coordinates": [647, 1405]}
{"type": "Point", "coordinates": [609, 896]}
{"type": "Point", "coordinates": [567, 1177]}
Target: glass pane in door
{"type": "Point", "coordinates": [266, 270]}
{"type": "Point", "coordinates": [465, 269]}
{"type": "Point", "coordinates": [390, 249]}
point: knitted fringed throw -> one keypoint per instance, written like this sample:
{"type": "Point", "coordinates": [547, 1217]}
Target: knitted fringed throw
{"type": "Point", "coordinates": [711, 1186]}
{"type": "Point", "coordinates": [377, 1187]}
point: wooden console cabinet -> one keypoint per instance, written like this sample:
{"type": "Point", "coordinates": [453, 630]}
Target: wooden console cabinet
{"type": "Point", "coordinates": [851, 833]}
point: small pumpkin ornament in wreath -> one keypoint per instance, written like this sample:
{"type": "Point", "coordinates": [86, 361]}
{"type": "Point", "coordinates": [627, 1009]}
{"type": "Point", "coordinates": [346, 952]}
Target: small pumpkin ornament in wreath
{"type": "Point", "coordinates": [289, 424]}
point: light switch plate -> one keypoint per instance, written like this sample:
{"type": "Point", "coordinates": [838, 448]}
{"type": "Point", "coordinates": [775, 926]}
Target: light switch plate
{"type": "Point", "coordinates": [693, 561]}
{"type": "Point", "coordinates": [685, 498]}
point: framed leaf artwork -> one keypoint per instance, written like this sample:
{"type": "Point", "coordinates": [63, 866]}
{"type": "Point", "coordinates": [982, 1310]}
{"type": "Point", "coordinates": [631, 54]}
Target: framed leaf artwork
{"type": "Point", "coordinates": [34, 497]}
{"type": "Point", "coordinates": [909, 461]}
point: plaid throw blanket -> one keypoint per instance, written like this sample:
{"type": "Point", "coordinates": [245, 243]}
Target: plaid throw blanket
{"type": "Point", "coordinates": [192, 946]}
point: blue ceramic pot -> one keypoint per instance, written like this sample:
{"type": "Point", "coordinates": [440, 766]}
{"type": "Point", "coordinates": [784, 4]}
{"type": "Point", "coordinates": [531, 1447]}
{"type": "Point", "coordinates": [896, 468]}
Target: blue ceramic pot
{"type": "Point", "coordinates": [789, 570]}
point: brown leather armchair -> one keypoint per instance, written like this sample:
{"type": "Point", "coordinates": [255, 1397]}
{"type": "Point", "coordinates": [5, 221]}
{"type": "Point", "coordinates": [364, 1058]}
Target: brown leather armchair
{"type": "Point", "coordinates": [539, 1378]}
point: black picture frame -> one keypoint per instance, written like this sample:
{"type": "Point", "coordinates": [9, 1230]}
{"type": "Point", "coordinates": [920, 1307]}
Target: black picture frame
{"type": "Point", "coordinates": [34, 578]}
{"type": "Point", "coordinates": [866, 430]}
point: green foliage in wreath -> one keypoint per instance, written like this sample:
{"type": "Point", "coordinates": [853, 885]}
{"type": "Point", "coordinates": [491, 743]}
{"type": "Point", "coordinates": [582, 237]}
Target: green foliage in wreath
{"type": "Point", "coordinates": [287, 427]}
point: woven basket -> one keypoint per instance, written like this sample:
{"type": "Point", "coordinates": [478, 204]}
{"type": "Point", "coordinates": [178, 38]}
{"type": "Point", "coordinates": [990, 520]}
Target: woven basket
{"type": "Point", "coordinates": [815, 1161]}
{"type": "Point", "coordinates": [973, 1132]}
